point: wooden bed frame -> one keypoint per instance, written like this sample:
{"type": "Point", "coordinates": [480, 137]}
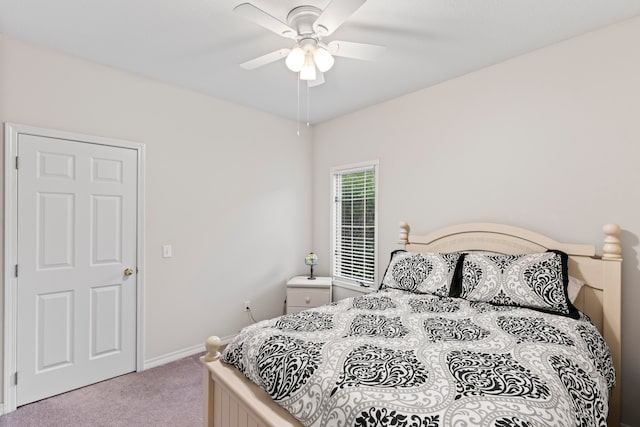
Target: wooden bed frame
{"type": "Point", "coordinates": [231, 400]}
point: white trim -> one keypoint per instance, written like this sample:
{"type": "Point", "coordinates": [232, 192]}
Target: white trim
{"type": "Point", "coordinates": [10, 260]}
{"type": "Point", "coordinates": [1, 409]}
{"type": "Point", "coordinates": [10, 226]}
{"type": "Point", "coordinates": [354, 167]}
{"type": "Point", "coordinates": [173, 356]}
{"type": "Point", "coordinates": [179, 354]}
{"type": "Point", "coordinates": [140, 259]}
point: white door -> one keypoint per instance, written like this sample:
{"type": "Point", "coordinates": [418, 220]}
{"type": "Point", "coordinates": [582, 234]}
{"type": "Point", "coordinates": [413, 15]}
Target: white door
{"type": "Point", "coordinates": [76, 305]}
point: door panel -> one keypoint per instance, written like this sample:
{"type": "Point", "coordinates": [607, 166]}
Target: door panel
{"type": "Point", "coordinates": [55, 239]}
{"type": "Point", "coordinates": [106, 170]}
{"type": "Point", "coordinates": [54, 335]}
{"type": "Point", "coordinates": [77, 234]}
{"type": "Point", "coordinates": [106, 304]}
{"type": "Point", "coordinates": [55, 165]}
{"type": "Point", "coordinates": [106, 229]}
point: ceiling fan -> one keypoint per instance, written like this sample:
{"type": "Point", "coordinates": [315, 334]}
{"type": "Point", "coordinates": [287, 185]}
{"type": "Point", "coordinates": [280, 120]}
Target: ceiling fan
{"type": "Point", "coordinates": [308, 25]}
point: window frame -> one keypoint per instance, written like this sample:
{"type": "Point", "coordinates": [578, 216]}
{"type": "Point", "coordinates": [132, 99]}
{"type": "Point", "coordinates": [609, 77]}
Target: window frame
{"type": "Point", "coordinates": [341, 170]}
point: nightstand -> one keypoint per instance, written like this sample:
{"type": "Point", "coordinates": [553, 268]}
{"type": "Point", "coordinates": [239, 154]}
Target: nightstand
{"type": "Point", "coordinates": [303, 293]}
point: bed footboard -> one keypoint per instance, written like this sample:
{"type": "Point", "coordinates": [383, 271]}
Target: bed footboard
{"type": "Point", "coordinates": [231, 400]}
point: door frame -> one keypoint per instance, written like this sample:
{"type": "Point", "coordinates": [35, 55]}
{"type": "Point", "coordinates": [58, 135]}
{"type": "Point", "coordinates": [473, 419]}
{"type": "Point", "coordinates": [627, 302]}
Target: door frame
{"type": "Point", "coordinates": [11, 133]}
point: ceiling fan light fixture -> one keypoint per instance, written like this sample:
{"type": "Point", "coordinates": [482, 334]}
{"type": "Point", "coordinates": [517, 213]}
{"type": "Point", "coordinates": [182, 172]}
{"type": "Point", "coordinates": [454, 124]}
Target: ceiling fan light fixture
{"type": "Point", "coordinates": [323, 59]}
{"type": "Point", "coordinates": [296, 59]}
{"type": "Point", "coordinates": [308, 71]}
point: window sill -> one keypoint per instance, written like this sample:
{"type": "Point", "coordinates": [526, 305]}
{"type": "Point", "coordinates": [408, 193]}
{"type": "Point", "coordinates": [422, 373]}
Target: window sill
{"type": "Point", "coordinates": [352, 287]}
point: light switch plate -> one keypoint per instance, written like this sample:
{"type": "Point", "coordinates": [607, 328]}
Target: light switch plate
{"type": "Point", "coordinates": [167, 251]}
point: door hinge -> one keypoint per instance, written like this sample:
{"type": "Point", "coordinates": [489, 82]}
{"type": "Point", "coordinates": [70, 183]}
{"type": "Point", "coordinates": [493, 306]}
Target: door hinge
{"type": "Point", "coordinates": [16, 270]}
{"type": "Point", "coordinates": [17, 162]}
{"type": "Point", "coordinates": [15, 378]}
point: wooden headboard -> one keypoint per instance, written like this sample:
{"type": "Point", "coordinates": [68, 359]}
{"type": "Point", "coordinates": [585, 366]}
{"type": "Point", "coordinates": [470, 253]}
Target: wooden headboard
{"type": "Point", "coordinates": [600, 298]}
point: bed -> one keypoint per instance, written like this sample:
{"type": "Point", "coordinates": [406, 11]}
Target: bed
{"type": "Point", "coordinates": [471, 328]}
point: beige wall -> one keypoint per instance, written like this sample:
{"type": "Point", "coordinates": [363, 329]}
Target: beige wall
{"type": "Point", "coordinates": [549, 141]}
{"type": "Point", "coordinates": [227, 186]}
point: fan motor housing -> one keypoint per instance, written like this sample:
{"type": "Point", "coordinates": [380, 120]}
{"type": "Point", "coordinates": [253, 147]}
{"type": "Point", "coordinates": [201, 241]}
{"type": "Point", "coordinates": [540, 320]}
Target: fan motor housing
{"type": "Point", "coordinates": [302, 18]}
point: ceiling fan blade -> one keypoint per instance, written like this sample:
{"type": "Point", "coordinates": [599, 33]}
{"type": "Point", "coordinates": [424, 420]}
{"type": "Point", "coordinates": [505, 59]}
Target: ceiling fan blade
{"type": "Point", "coordinates": [335, 14]}
{"type": "Point", "coordinates": [318, 81]}
{"type": "Point", "coordinates": [262, 18]}
{"type": "Point", "coordinates": [265, 59]}
{"type": "Point", "coordinates": [367, 52]}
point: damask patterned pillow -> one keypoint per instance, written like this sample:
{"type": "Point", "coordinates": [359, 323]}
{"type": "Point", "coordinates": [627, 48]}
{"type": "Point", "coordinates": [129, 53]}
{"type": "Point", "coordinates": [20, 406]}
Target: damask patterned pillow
{"type": "Point", "coordinates": [537, 281]}
{"type": "Point", "coordinates": [422, 273]}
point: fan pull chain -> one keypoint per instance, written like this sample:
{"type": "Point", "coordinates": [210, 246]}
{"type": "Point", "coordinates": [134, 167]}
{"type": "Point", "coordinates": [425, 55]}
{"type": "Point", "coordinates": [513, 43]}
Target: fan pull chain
{"type": "Point", "coordinates": [298, 113]}
{"type": "Point", "coordinates": [308, 103]}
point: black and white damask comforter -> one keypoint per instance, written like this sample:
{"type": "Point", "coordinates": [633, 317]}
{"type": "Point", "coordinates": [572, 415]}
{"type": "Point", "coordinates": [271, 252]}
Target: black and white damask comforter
{"type": "Point", "coordinates": [395, 358]}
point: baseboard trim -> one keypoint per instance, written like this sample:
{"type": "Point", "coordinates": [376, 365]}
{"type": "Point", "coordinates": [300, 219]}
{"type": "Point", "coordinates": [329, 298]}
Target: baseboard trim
{"type": "Point", "coordinates": [1, 409]}
{"type": "Point", "coordinates": [179, 354]}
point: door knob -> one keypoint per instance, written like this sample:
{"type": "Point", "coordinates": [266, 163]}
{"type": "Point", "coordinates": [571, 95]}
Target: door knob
{"type": "Point", "coordinates": [128, 272]}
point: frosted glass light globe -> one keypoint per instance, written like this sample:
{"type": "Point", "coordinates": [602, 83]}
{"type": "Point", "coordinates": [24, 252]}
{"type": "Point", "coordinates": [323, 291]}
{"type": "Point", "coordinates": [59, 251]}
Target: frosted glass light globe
{"type": "Point", "coordinates": [323, 59]}
{"type": "Point", "coordinates": [295, 59]}
{"type": "Point", "coordinates": [308, 71]}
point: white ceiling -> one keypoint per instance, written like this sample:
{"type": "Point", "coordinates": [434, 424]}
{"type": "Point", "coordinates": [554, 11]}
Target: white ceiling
{"type": "Point", "coordinates": [198, 44]}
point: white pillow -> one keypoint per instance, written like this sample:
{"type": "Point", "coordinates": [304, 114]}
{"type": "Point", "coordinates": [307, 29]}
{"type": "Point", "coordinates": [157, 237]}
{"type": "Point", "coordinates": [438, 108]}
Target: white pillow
{"type": "Point", "coordinates": [573, 289]}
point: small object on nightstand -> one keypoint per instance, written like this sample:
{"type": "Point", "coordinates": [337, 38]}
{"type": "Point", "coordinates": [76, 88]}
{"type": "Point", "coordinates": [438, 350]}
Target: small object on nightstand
{"type": "Point", "coordinates": [311, 259]}
{"type": "Point", "coordinates": [303, 293]}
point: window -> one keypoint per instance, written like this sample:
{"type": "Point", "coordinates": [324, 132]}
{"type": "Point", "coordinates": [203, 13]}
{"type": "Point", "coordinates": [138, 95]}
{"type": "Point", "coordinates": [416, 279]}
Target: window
{"type": "Point", "coordinates": [354, 223]}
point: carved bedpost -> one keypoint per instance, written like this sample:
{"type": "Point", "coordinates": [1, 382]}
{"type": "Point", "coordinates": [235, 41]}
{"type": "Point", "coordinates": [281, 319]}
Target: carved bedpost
{"type": "Point", "coordinates": [212, 344]}
{"type": "Point", "coordinates": [611, 248]}
{"type": "Point", "coordinates": [403, 238]}
{"type": "Point", "coordinates": [612, 303]}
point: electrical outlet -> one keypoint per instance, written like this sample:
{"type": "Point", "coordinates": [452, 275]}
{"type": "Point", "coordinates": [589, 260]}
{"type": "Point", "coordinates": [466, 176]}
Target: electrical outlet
{"type": "Point", "coordinates": [247, 305]}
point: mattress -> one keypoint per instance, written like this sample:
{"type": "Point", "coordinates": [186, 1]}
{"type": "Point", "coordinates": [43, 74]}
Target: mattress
{"type": "Point", "coordinates": [396, 358]}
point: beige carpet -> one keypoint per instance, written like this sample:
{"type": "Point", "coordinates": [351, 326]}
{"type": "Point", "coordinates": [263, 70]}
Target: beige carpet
{"type": "Point", "coordinates": [168, 395]}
